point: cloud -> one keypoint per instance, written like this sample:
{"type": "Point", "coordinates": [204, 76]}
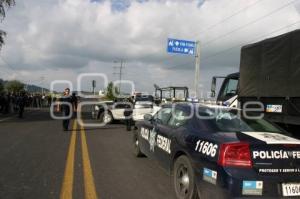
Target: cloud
{"type": "Point", "coordinates": [73, 36]}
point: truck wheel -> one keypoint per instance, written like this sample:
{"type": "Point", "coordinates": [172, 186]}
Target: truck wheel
{"type": "Point", "coordinates": [106, 117]}
{"type": "Point", "coordinates": [136, 144]}
{"type": "Point", "coordinates": [184, 179]}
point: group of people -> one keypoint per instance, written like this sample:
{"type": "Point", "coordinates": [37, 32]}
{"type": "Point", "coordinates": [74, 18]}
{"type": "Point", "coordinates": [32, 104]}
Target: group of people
{"type": "Point", "coordinates": [39, 100]}
{"type": "Point", "coordinates": [16, 102]}
{"type": "Point", "coordinates": [13, 102]}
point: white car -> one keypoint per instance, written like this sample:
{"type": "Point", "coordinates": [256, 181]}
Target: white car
{"type": "Point", "coordinates": [110, 111]}
{"type": "Point", "coordinates": [143, 107]}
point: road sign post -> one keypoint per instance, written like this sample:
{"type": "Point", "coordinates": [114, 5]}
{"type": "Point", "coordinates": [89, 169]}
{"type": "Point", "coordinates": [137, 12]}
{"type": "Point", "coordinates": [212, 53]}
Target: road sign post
{"type": "Point", "coordinates": [197, 69]}
{"type": "Point", "coordinates": [181, 46]}
{"type": "Point", "coordinates": [187, 48]}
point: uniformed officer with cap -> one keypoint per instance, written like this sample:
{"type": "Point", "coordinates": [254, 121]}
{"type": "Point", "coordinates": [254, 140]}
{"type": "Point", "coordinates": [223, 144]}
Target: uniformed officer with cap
{"type": "Point", "coordinates": [65, 108]}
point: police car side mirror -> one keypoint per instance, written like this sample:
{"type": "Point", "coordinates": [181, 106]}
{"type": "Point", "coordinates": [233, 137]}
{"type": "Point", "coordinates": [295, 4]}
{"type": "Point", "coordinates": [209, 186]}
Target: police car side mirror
{"type": "Point", "coordinates": [148, 117]}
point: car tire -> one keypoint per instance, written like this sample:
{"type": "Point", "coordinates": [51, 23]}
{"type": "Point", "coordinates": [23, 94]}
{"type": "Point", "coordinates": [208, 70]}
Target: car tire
{"type": "Point", "coordinates": [136, 146]}
{"type": "Point", "coordinates": [184, 179]}
{"type": "Point", "coordinates": [106, 117]}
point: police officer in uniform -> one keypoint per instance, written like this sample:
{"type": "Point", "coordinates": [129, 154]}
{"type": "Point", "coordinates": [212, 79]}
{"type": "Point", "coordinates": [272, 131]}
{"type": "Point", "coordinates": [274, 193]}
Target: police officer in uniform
{"type": "Point", "coordinates": [65, 108]}
{"type": "Point", "coordinates": [128, 114]}
{"type": "Point", "coordinates": [21, 102]}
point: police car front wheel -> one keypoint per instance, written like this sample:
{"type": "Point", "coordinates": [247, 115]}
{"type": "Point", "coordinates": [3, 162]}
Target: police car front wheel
{"type": "Point", "coordinates": [184, 179]}
{"type": "Point", "coordinates": [137, 150]}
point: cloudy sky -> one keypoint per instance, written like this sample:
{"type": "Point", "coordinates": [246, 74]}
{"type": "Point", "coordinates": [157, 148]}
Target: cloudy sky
{"type": "Point", "coordinates": [59, 39]}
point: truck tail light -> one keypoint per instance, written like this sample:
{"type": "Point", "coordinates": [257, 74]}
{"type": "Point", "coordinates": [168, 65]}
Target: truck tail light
{"type": "Point", "coordinates": [235, 155]}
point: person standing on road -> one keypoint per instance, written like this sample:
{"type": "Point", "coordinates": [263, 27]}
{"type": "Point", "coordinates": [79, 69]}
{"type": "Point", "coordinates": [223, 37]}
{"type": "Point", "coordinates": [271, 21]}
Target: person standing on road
{"type": "Point", "coordinates": [7, 103]}
{"type": "Point", "coordinates": [2, 102]}
{"type": "Point", "coordinates": [21, 102]}
{"type": "Point", "coordinates": [49, 100]}
{"type": "Point", "coordinates": [65, 108]}
{"type": "Point", "coordinates": [128, 114]}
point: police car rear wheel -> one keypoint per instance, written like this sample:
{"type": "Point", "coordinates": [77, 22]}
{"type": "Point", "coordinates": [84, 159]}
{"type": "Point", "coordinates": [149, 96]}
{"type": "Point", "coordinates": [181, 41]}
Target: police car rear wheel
{"type": "Point", "coordinates": [184, 180]}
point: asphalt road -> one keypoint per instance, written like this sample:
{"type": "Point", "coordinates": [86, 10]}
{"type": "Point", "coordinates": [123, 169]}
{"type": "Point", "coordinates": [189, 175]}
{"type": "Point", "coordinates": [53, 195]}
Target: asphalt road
{"type": "Point", "coordinates": [39, 160]}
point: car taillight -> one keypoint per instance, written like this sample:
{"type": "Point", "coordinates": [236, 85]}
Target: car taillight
{"type": "Point", "coordinates": [235, 155]}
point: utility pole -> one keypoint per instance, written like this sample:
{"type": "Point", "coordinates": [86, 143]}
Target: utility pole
{"type": "Point", "coordinates": [120, 71]}
{"type": "Point", "coordinates": [94, 86]}
{"type": "Point", "coordinates": [197, 69]}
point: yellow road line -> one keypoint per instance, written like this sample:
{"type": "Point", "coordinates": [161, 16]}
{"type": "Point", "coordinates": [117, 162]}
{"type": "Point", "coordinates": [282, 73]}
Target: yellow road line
{"type": "Point", "coordinates": [67, 186]}
{"type": "Point", "coordinates": [89, 185]}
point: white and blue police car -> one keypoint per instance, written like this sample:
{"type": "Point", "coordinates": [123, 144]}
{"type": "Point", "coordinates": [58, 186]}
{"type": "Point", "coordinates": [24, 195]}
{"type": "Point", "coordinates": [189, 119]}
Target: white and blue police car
{"type": "Point", "coordinates": [214, 152]}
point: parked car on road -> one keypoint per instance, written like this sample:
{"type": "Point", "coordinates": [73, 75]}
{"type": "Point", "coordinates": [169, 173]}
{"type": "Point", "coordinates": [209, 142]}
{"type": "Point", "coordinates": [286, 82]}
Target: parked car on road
{"type": "Point", "coordinates": [110, 111]}
{"type": "Point", "coordinates": [211, 152]}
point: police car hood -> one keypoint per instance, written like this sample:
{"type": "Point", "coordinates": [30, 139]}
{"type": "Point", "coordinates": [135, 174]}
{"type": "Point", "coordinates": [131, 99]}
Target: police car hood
{"type": "Point", "coordinates": [270, 152]}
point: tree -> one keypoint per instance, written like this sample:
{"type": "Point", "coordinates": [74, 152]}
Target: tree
{"type": "Point", "coordinates": [111, 91]}
{"type": "Point", "coordinates": [14, 86]}
{"type": "Point", "coordinates": [4, 4]}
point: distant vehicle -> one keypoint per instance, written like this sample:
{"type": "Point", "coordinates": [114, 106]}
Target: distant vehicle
{"type": "Point", "coordinates": [147, 104]}
{"type": "Point", "coordinates": [175, 93]}
{"type": "Point", "coordinates": [143, 104]}
{"type": "Point", "coordinates": [140, 105]}
{"type": "Point", "coordinates": [110, 111]}
{"type": "Point", "coordinates": [222, 156]}
{"type": "Point", "coordinates": [101, 93]}
{"type": "Point", "coordinates": [269, 74]}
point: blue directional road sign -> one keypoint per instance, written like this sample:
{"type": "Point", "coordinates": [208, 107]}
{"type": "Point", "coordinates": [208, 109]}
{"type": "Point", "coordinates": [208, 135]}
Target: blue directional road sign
{"type": "Point", "coordinates": [181, 46]}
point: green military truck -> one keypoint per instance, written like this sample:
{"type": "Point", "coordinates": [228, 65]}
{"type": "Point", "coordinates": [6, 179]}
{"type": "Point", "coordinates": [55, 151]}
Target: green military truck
{"type": "Point", "coordinates": [269, 74]}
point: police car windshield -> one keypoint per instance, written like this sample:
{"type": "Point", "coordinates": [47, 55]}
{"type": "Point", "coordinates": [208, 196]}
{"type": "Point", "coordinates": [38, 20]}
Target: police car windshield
{"type": "Point", "coordinates": [229, 120]}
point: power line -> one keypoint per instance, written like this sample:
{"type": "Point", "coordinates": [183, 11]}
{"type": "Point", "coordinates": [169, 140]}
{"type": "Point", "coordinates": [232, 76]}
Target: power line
{"type": "Point", "coordinates": [239, 45]}
{"type": "Point", "coordinates": [221, 22]}
{"type": "Point", "coordinates": [253, 40]}
{"type": "Point", "coordinates": [230, 16]}
{"type": "Point", "coordinates": [250, 23]}
{"type": "Point", "coordinates": [14, 70]}
{"type": "Point", "coordinates": [8, 64]}
{"type": "Point", "coordinates": [6, 68]}
{"type": "Point", "coordinates": [244, 26]}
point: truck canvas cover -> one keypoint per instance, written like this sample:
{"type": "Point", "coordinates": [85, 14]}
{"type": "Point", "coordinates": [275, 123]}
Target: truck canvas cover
{"type": "Point", "coordinates": [271, 68]}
